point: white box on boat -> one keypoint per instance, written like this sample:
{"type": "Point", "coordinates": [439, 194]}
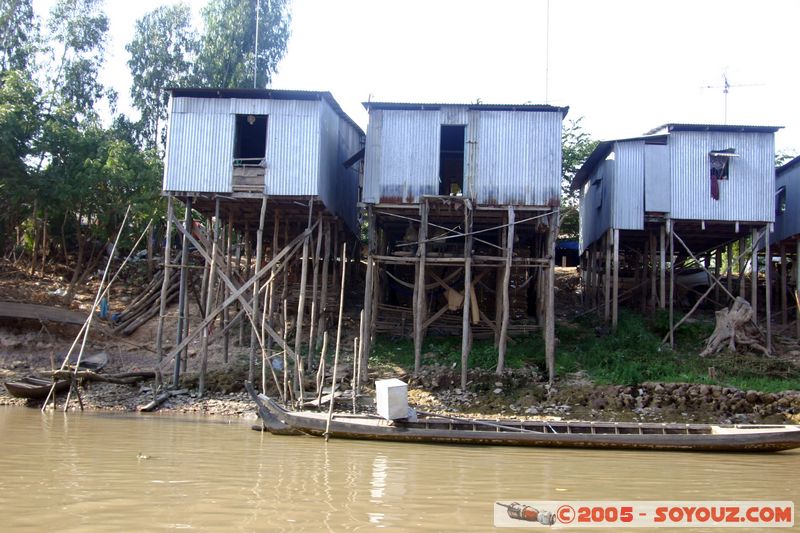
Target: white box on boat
{"type": "Point", "coordinates": [391, 396]}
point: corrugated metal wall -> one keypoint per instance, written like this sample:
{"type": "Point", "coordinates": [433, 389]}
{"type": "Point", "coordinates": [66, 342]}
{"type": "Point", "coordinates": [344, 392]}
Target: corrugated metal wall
{"type": "Point", "coordinates": [627, 201]}
{"type": "Point", "coordinates": [402, 156]}
{"type": "Point", "coordinates": [519, 158]}
{"type": "Point", "coordinates": [201, 139]}
{"type": "Point", "coordinates": [596, 203]}
{"type": "Point", "coordinates": [787, 224]}
{"type": "Point", "coordinates": [747, 195]}
{"type": "Point", "coordinates": [511, 157]}
{"type": "Point", "coordinates": [199, 154]}
{"type": "Point", "coordinates": [338, 185]}
{"type": "Point", "coordinates": [656, 178]}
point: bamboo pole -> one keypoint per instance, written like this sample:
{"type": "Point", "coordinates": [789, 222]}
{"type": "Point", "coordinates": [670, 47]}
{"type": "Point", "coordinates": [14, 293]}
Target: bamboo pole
{"type": "Point", "coordinates": [259, 259]}
{"type": "Point", "coordinates": [653, 270]}
{"type": "Point", "coordinates": [321, 368]}
{"type": "Point", "coordinates": [248, 253]}
{"type": "Point", "coordinates": [314, 286]}
{"type": "Point", "coordinates": [784, 286]}
{"type": "Point", "coordinates": [729, 279]}
{"type": "Point", "coordinates": [754, 274]}
{"type": "Point", "coordinates": [338, 344]}
{"type": "Point", "coordinates": [466, 327]}
{"type": "Point", "coordinates": [270, 307]}
{"type": "Point", "coordinates": [768, 288]}
{"type": "Point", "coordinates": [324, 290]}
{"type": "Point", "coordinates": [356, 368]}
{"type": "Point", "coordinates": [615, 300]}
{"type": "Point", "coordinates": [182, 299]}
{"type": "Point", "coordinates": [509, 253]}
{"type": "Point", "coordinates": [742, 263]}
{"type": "Point", "coordinates": [421, 295]}
{"type": "Point", "coordinates": [301, 306]}
{"type": "Point", "coordinates": [607, 278]}
{"type": "Point", "coordinates": [226, 313]}
{"type": "Point", "coordinates": [285, 353]}
{"type": "Point", "coordinates": [165, 284]}
{"type": "Point", "coordinates": [209, 301]}
{"type": "Point", "coordinates": [662, 269]}
{"type": "Point", "coordinates": [550, 311]}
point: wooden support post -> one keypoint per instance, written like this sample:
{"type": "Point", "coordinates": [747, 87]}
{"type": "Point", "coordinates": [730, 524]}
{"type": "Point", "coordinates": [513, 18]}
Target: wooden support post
{"type": "Point", "coordinates": [509, 256]}
{"type": "Point", "coordinates": [419, 285]}
{"type": "Point", "coordinates": [783, 287]}
{"type": "Point", "coordinates": [338, 343]}
{"type": "Point", "coordinates": [550, 311]}
{"type": "Point", "coordinates": [671, 285]}
{"type": "Point", "coordinates": [797, 286]}
{"type": "Point", "coordinates": [369, 284]}
{"type": "Point", "coordinates": [209, 301]}
{"type": "Point", "coordinates": [754, 274]}
{"type": "Point", "coordinates": [466, 327]}
{"type": "Point", "coordinates": [653, 270]}
{"type": "Point", "coordinates": [248, 252]}
{"type": "Point", "coordinates": [742, 263]}
{"type": "Point", "coordinates": [729, 270]}
{"type": "Point", "coordinates": [251, 368]}
{"type": "Point", "coordinates": [662, 268]}
{"type": "Point", "coordinates": [768, 288]}
{"type": "Point", "coordinates": [301, 308]}
{"type": "Point", "coordinates": [324, 290]}
{"type": "Point", "coordinates": [182, 299]}
{"type": "Point", "coordinates": [717, 270]}
{"type": "Point", "coordinates": [498, 288]}
{"type": "Point", "coordinates": [225, 292]}
{"type": "Point", "coordinates": [165, 284]}
{"type": "Point", "coordinates": [312, 323]}
{"type": "Point", "coordinates": [271, 300]}
{"type": "Point", "coordinates": [607, 244]}
{"type": "Point", "coordinates": [615, 300]}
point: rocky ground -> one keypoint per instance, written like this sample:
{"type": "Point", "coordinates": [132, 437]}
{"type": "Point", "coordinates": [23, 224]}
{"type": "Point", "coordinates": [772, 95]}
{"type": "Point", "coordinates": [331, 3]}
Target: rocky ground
{"type": "Point", "coordinates": [28, 347]}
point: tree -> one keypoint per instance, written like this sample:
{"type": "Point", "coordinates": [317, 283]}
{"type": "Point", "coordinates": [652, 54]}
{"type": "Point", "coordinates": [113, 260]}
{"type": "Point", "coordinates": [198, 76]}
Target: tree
{"type": "Point", "coordinates": [576, 146]}
{"type": "Point", "coordinates": [19, 34]}
{"type": "Point", "coordinates": [162, 54]}
{"type": "Point", "coordinates": [227, 56]}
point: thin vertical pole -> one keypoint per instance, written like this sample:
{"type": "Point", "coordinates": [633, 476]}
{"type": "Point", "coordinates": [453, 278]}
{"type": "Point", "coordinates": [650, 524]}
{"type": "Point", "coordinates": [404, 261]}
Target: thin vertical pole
{"type": "Point", "coordinates": [662, 268]}
{"type": "Point", "coordinates": [209, 300]}
{"type": "Point", "coordinates": [419, 305]}
{"type": "Point", "coordinates": [784, 286]}
{"type": "Point", "coordinates": [754, 274]}
{"type": "Point", "coordinates": [742, 262]}
{"type": "Point", "coordinates": [717, 270]}
{"type": "Point", "coordinates": [312, 325]}
{"type": "Point", "coordinates": [768, 288]}
{"type": "Point", "coordinates": [271, 290]}
{"type": "Point", "coordinates": [509, 253]}
{"type": "Point", "coordinates": [653, 259]}
{"type": "Point", "coordinates": [338, 343]}
{"type": "Point", "coordinates": [671, 284]}
{"type": "Point", "coordinates": [182, 300]}
{"type": "Point", "coordinates": [466, 328]}
{"type": "Point", "coordinates": [323, 306]}
{"type": "Point", "coordinates": [797, 286]}
{"type": "Point", "coordinates": [256, 288]}
{"type": "Point", "coordinates": [607, 277]}
{"type": "Point", "coordinates": [550, 310]}
{"type": "Point", "coordinates": [165, 283]}
{"type": "Point", "coordinates": [225, 291]}
{"type": "Point", "coordinates": [729, 270]}
{"type": "Point", "coordinates": [615, 302]}
{"type": "Point", "coordinates": [301, 306]}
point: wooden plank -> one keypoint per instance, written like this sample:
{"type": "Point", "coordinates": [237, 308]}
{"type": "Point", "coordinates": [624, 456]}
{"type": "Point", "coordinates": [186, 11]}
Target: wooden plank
{"type": "Point", "coordinates": [42, 313]}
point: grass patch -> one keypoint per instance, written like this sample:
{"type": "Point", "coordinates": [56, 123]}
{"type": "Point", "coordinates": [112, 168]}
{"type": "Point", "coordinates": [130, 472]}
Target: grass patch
{"type": "Point", "coordinates": [630, 356]}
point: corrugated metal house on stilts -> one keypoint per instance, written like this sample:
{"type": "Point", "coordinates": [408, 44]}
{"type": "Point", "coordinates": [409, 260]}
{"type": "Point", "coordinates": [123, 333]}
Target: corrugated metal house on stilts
{"type": "Point", "coordinates": [462, 205]}
{"type": "Point", "coordinates": [786, 238]}
{"type": "Point", "coordinates": [681, 194]}
{"type": "Point", "coordinates": [265, 169]}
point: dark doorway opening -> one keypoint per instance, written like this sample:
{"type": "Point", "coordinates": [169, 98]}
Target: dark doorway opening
{"type": "Point", "coordinates": [451, 160]}
{"type": "Point", "coordinates": [250, 145]}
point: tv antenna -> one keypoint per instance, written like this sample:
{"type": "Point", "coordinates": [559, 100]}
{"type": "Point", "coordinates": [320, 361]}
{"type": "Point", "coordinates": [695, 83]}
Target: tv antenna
{"type": "Point", "coordinates": [726, 88]}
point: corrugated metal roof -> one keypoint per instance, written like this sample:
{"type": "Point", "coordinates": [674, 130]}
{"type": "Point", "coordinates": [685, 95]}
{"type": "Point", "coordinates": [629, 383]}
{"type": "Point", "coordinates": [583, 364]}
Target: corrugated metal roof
{"type": "Point", "coordinates": [601, 152]}
{"type": "Point", "coordinates": [411, 106]}
{"type": "Point", "coordinates": [666, 128]}
{"type": "Point", "coordinates": [263, 94]}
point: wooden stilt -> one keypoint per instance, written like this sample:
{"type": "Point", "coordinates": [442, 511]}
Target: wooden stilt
{"type": "Point", "coordinates": [498, 286]}
{"type": "Point", "coordinates": [248, 252]}
{"type": "Point", "coordinates": [338, 343]}
{"type": "Point", "coordinates": [182, 299]}
{"type": "Point", "coordinates": [209, 300]}
{"type": "Point", "coordinates": [742, 263]}
{"type": "Point", "coordinates": [615, 298]}
{"type": "Point", "coordinates": [662, 268]}
{"type": "Point", "coordinates": [285, 353]}
{"type": "Point", "coordinates": [466, 327]}
{"type": "Point", "coordinates": [312, 323]}
{"type": "Point", "coordinates": [271, 289]}
{"type": "Point", "coordinates": [754, 274]}
{"type": "Point", "coordinates": [509, 256]}
{"type": "Point", "coordinates": [607, 251]}
{"type": "Point", "coordinates": [301, 308]}
{"type": "Point", "coordinates": [784, 286]}
{"type": "Point", "coordinates": [550, 311]}
{"type": "Point", "coordinates": [323, 308]}
{"type": "Point", "coordinates": [671, 231]}
{"type": "Point", "coordinates": [419, 285]}
{"type": "Point", "coordinates": [321, 368]}
{"type": "Point", "coordinates": [369, 284]}
{"type": "Point", "coordinates": [729, 270]}
{"type": "Point", "coordinates": [259, 257]}
{"type": "Point", "coordinates": [166, 282]}
{"type": "Point", "coordinates": [797, 287]}
{"type": "Point", "coordinates": [717, 270]}
{"type": "Point", "coordinates": [653, 270]}
{"type": "Point", "coordinates": [228, 266]}
{"type": "Point", "coordinates": [768, 288]}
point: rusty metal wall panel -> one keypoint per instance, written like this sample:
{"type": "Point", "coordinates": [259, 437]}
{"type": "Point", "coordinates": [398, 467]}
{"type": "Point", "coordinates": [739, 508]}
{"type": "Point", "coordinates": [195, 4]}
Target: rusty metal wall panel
{"type": "Point", "coordinates": [747, 195]}
{"type": "Point", "coordinates": [628, 188]}
{"type": "Point", "coordinates": [519, 158]}
{"type": "Point", "coordinates": [656, 178]}
{"type": "Point", "coordinates": [199, 154]}
{"type": "Point", "coordinates": [402, 156]}
{"type": "Point", "coordinates": [787, 224]}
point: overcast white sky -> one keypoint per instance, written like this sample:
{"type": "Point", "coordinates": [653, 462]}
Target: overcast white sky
{"type": "Point", "coordinates": [624, 65]}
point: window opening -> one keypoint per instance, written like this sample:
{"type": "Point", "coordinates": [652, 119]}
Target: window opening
{"type": "Point", "coordinates": [451, 160]}
{"type": "Point", "coordinates": [720, 164]}
{"type": "Point", "coordinates": [250, 145]}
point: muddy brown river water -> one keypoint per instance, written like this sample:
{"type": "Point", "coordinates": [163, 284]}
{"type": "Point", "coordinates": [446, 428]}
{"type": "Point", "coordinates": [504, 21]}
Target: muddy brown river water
{"type": "Point", "coordinates": [113, 472]}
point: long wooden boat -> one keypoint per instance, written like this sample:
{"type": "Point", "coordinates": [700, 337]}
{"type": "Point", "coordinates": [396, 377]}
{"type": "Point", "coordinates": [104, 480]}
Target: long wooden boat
{"type": "Point", "coordinates": [37, 388]}
{"type": "Point", "coordinates": [451, 430]}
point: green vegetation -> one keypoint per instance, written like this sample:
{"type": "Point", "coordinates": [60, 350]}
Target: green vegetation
{"type": "Point", "coordinates": [631, 356]}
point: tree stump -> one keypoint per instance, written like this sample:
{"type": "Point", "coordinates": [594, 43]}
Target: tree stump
{"type": "Point", "coordinates": [734, 329]}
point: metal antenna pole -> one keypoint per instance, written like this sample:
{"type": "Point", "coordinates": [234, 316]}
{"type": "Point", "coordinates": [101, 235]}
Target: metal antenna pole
{"type": "Point", "coordinates": [547, 58]}
{"type": "Point", "coordinates": [255, 54]}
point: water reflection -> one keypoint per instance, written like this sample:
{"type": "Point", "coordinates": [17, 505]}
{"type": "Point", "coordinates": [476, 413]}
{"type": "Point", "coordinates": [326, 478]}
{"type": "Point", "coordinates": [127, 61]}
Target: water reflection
{"type": "Point", "coordinates": [91, 472]}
